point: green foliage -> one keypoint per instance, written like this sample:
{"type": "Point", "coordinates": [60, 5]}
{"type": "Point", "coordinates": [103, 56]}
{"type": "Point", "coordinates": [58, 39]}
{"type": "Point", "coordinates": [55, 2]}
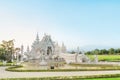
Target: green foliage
{"type": "Point", "coordinates": [7, 64]}
{"type": "Point", "coordinates": [110, 51]}
{"type": "Point", "coordinates": [73, 52]}
{"type": "Point", "coordinates": [116, 78]}
{"type": "Point", "coordinates": [7, 50]}
{"type": "Point", "coordinates": [93, 77]}
{"type": "Point", "coordinates": [2, 53]}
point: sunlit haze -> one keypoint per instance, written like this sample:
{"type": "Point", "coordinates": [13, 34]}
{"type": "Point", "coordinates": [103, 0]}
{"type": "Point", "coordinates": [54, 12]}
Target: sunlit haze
{"type": "Point", "coordinates": [89, 24]}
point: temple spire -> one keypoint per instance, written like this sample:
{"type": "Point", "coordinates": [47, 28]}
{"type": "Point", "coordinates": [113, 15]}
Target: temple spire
{"type": "Point", "coordinates": [63, 48]}
{"type": "Point", "coordinates": [37, 37]}
{"type": "Point", "coordinates": [28, 50]}
{"type": "Point", "coordinates": [22, 49]}
{"type": "Point", "coordinates": [78, 50]}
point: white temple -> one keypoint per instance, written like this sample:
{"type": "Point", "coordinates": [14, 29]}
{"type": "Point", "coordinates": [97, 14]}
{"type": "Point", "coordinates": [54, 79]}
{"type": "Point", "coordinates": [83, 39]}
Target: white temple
{"type": "Point", "coordinates": [46, 50]}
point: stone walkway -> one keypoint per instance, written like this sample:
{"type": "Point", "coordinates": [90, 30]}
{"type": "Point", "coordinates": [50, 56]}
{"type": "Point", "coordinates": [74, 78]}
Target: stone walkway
{"type": "Point", "coordinates": [7, 74]}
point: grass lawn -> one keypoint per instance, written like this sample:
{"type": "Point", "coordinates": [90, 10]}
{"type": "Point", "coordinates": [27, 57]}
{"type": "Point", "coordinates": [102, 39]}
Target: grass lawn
{"type": "Point", "coordinates": [93, 77]}
{"type": "Point", "coordinates": [118, 78]}
{"type": "Point", "coordinates": [106, 57]}
{"type": "Point", "coordinates": [7, 64]}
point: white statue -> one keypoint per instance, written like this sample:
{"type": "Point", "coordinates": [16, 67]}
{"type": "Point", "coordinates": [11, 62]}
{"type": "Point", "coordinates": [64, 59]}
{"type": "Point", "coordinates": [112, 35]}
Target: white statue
{"type": "Point", "coordinates": [95, 58]}
{"type": "Point", "coordinates": [22, 54]}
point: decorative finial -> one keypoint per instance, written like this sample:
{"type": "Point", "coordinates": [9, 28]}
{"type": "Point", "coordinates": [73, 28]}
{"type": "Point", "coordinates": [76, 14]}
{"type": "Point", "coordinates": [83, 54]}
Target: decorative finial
{"type": "Point", "coordinates": [63, 44]}
{"type": "Point", "coordinates": [22, 48]}
{"type": "Point", "coordinates": [78, 50]}
{"type": "Point", "coordinates": [37, 37]}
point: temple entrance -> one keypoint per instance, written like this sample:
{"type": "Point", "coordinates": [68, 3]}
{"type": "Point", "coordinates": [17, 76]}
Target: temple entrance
{"type": "Point", "coordinates": [49, 50]}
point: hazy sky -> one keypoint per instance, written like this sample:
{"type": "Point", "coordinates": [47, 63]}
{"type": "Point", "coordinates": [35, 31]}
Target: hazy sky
{"type": "Point", "coordinates": [93, 23]}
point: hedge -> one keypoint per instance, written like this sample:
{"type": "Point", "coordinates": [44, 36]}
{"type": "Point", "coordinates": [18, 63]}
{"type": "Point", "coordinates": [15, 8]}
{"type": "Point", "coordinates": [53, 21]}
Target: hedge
{"type": "Point", "coordinates": [68, 78]}
{"type": "Point", "coordinates": [103, 68]}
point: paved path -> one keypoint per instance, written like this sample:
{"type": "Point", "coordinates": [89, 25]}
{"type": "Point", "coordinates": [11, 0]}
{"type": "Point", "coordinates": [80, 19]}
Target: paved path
{"type": "Point", "coordinates": [7, 74]}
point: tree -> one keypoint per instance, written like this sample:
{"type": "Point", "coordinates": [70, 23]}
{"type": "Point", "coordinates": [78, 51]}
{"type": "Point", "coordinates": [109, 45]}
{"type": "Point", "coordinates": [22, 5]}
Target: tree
{"type": "Point", "coordinates": [96, 51]}
{"type": "Point", "coordinates": [117, 51]}
{"type": "Point", "coordinates": [7, 50]}
{"type": "Point", "coordinates": [111, 51]}
{"type": "Point", "coordinates": [73, 52]}
{"type": "Point", "coordinates": [2, 54]}
{"type": "Point", "coordinates": [88, 53]}
{"type": "Point", "coordinates": [104, 51]}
